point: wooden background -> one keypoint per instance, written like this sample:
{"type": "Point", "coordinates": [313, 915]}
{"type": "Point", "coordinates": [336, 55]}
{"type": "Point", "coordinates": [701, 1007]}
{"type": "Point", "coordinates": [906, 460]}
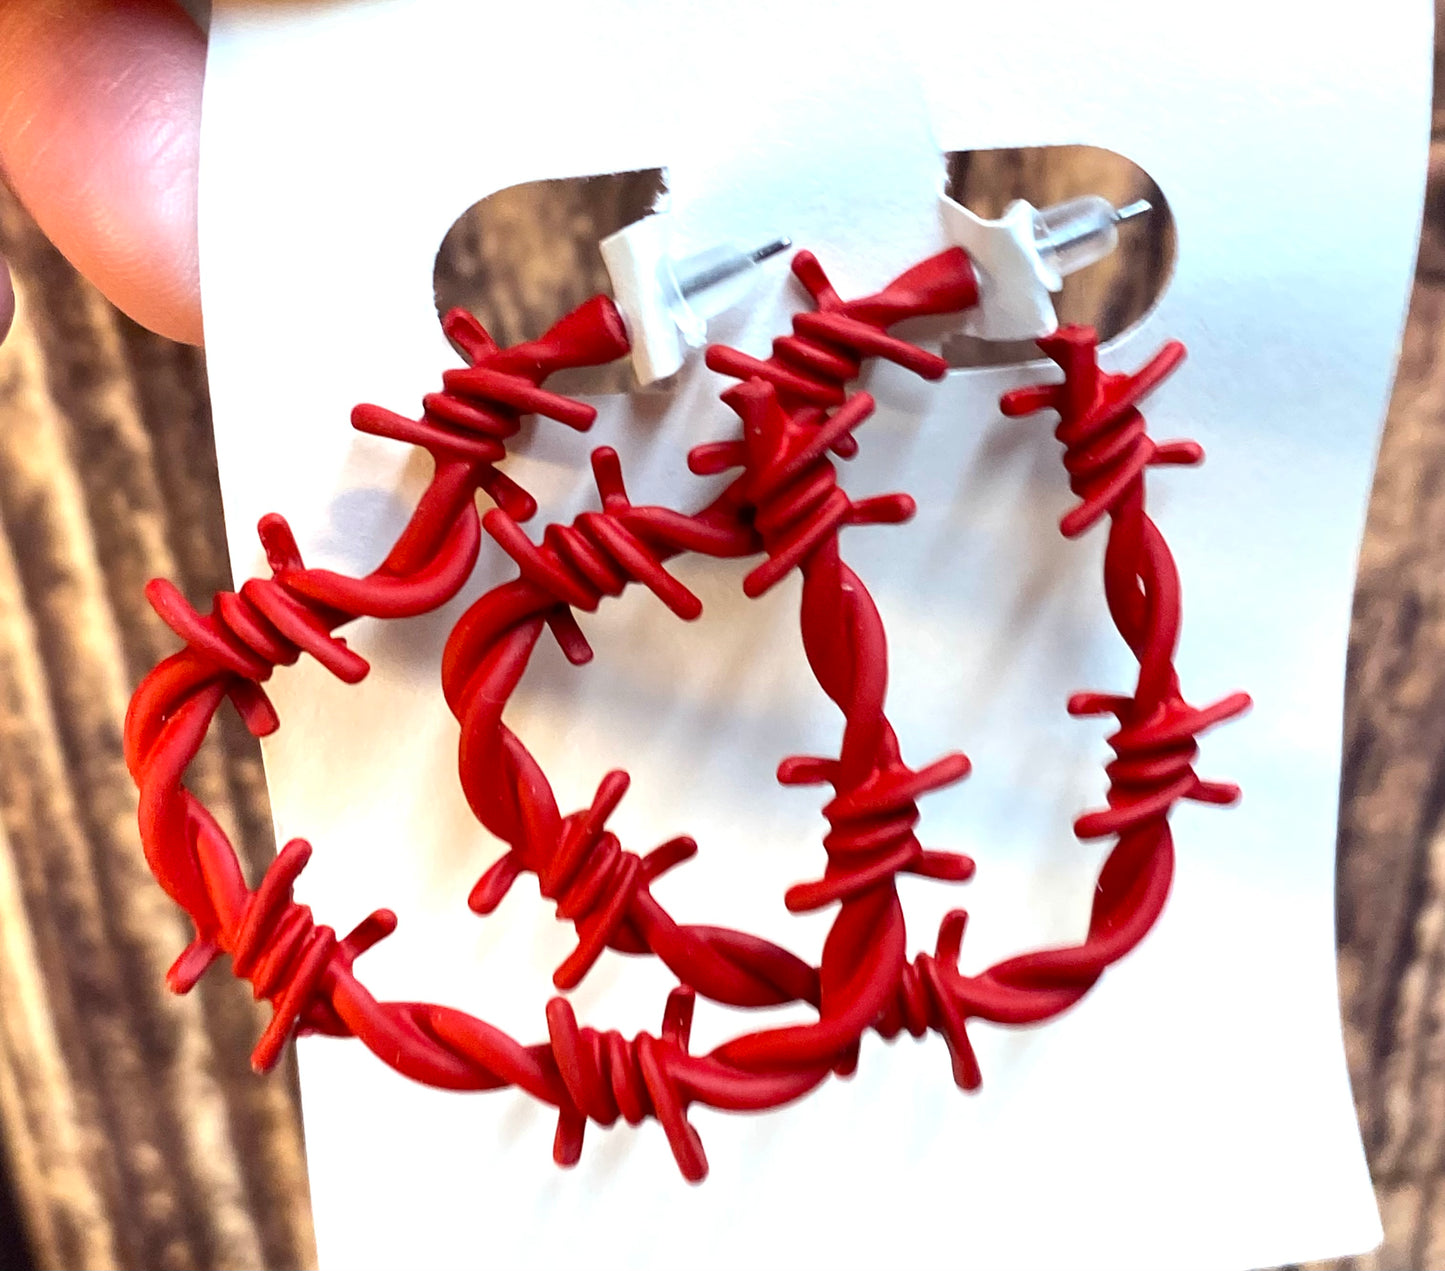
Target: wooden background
{"type": "Point", "coordinates": [134, 1134]}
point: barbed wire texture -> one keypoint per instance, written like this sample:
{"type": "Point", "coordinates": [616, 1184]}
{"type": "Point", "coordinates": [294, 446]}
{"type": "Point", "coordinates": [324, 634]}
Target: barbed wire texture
{"type": "Point", "coordinates": [795, 417]}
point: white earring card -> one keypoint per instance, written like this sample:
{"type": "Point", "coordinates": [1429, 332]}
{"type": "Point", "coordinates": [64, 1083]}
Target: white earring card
{"type": "Point", "coordinates": [1194, 1109]}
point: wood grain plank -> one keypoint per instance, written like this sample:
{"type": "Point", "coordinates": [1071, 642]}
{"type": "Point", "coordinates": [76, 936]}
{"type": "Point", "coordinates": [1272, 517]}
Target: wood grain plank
{"type": "Point", "coordinates": [46, 1138]}
{"type": "Point", "coordinates": [194, 1162]}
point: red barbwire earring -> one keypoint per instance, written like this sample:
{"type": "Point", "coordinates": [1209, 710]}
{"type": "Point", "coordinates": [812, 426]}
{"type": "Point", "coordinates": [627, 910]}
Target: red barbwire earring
{"type": "Point", "coordinates": [796, 417]}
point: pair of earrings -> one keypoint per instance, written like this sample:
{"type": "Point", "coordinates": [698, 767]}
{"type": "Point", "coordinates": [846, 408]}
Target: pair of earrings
{"type": "Point", "coordinates": [796, 414]}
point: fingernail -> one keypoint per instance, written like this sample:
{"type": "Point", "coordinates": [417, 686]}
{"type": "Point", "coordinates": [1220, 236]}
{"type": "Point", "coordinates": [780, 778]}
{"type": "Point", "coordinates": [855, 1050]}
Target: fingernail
{"type": "Point", "coordinates": [7, 301]}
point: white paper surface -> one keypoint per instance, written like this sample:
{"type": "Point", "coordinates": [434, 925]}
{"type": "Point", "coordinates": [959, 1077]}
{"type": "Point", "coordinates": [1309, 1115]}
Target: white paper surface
{"type": "Point", "coordinates": [1194, 1110]}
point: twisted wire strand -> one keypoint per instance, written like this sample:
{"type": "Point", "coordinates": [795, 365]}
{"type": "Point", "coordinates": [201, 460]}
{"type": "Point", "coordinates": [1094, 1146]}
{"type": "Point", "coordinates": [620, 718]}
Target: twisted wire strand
{"type": "Point", "coordinates": [1106, 454]}
{"type": "Point", "coordinates": [790, 484]}
{"type": "Point", "coordinates": [787, 503]}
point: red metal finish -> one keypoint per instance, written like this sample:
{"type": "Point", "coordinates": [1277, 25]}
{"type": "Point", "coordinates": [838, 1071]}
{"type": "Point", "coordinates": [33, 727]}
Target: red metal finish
{"type": "Point", "coordinates": [784, 503]}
